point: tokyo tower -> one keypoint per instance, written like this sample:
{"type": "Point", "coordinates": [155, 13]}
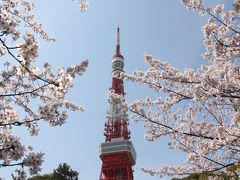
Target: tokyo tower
{"type": "Point", "coordinates": [117, 152]}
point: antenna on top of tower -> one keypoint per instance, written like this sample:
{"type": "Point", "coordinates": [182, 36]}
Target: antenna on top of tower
{"type": "Point", "coordinates": [118, 35]}
{"type": "Point", "coordinates": [118, 41]}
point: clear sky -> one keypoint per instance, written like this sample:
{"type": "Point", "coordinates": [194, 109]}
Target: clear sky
{"type": "Point", "coordinates": [164, 28]}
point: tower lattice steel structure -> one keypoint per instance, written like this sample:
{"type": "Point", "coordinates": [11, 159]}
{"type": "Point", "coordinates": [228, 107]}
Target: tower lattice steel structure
{"type": "Point", "coordinates": [117, 152]}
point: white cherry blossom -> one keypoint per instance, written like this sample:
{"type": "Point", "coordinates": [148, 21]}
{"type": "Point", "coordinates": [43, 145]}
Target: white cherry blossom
{"type": "Point", "coordinates": [197, 109]}
{"type": "Point", "coordinates": [23, 83]}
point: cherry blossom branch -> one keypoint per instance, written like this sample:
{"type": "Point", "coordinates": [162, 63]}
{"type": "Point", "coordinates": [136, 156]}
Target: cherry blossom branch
{"type": "Point", "coordinates": [21, 63]}
{"type": "Point", "coordinates": [219, 20]}
{"type": "Point", "coordinates": [19, 123]}
{"type": "Point", "coordinates": [168, 90]}
{"type": "Point", "coordinates": [11, 165]}
{"type": "Point", "coordinates": [16, 47]}
{"type": "Point", "coordinates": [7, 78]}
{"type": "Point", "coordinates": [23, 93]}
{"type": "Point", "coordinates": [191, 150]}
{"type": "Point", "coordinates": [212, 114]}
{"type": "Point", "coordinates": [169, 127]}
{"type": "Point", "coordinates": [39, 31]}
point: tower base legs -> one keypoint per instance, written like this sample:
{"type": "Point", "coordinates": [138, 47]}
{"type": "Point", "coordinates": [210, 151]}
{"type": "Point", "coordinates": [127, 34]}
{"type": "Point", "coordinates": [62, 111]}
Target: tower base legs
{"type": "Point", "coordinates": [116, 167]}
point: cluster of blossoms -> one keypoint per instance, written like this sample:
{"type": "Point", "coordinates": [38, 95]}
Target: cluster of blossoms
{"type": "Point", "coordinates": [83, 5]}
{"type": "Point", "coordinates": [198, 110]}
{"type": "Point", "coordinates": [116, 98]}
{"type": "Point", "coordinates": [11, 148]}
{"type": "Point", "coordinates": [29, 50]}
{"type": "Point", "coordinates": [9, 116]}
{"type": "Point", "coordinates": [33, 161]}
{"type": "Point", "coordinates": [38, 93]}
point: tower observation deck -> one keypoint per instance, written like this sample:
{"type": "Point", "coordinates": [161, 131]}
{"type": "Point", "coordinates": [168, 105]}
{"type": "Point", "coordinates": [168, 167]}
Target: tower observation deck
{"type": "Point", "coordinates": [117, 152]}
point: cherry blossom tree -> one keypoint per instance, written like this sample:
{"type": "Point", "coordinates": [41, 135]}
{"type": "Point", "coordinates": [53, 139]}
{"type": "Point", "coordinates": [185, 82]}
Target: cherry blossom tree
{"type": "Point", "coordinates": [28, 93]}
{"type": "Point", "coordinates": [198, 110]}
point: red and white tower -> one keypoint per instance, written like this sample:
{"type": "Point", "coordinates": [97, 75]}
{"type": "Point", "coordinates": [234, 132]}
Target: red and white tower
{"type": "Point", "coordinates": [117, 152]}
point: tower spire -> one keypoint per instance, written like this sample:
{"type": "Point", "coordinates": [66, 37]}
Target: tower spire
{"type": "Point", "coordinates": [118, 41]}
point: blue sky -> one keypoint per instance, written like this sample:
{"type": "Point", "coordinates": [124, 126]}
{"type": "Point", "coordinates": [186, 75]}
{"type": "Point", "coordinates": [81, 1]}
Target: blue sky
{"type": "Point", "coordinates": [166, 29]}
